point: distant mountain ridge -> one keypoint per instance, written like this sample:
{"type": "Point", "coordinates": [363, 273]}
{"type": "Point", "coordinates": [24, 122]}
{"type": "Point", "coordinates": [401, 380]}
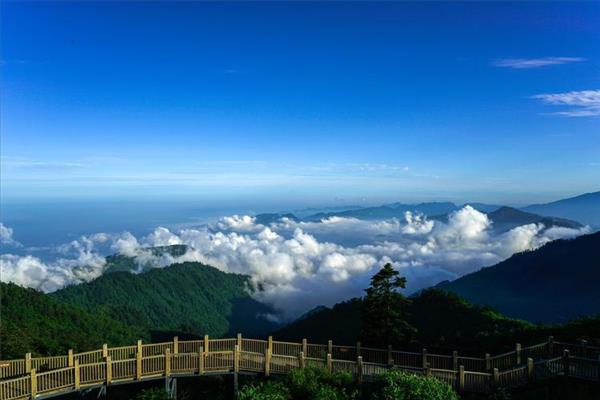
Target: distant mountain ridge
{"type": "Point", "coordinates": [555, 283]}
{"type": "Point", "coordinates": [584, 208]}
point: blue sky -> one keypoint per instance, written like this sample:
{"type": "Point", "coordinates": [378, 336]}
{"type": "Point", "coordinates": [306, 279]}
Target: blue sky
{"type": "Point", "coordinates": [315, 102]}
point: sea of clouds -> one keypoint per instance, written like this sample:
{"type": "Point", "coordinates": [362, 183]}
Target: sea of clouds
{"type": "Point", "coordinates": [297, 265]}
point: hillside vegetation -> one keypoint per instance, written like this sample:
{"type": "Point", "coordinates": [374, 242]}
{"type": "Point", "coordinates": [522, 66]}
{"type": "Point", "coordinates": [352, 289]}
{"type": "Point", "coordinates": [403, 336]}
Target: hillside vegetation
{"type": "Point", "coordinates": [32, 321]}
{"type": "Point", "coordinates": [189, 298]}
{"type": "Point", "coordinates": [555, 283]}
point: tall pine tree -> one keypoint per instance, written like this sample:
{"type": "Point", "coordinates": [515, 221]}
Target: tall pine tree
{"type": "Point", "coordinates": [384, 316]}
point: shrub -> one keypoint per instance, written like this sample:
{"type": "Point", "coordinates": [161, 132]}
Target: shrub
{"type": "Point", "coordinates": [398, 385]}
{"type": "Point", "coordinates": [268, 390]}
{"type": "Point", "coordinates": [152, 394]}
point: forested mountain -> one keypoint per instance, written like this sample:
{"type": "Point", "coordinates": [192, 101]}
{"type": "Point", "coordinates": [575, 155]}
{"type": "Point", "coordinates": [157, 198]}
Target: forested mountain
{"type": "Point", "coordinates": [31, 321]}
{"type": "Point", "coordinates": [554, 283]}
{"type": "Point", "coordinates": [189, 298]}
{"type": "Point", "coordinates": [584, 208]}
{"type": "Point", "coordinates": [444, 322]}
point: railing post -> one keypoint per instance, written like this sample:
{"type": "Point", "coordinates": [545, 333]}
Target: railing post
{"type": "Point", "coordinates": [455, 360]}
{"type": "Point", "coordinates": [304, 346]}
{"type": "Point", "coordinates": [70, 358]}
{"type": "Point", "coordinates": [428, 372]}
{"type": "Point", "coordinates": [267, 362]}
{"type": "Point", "coordinates": [551, 346]}
{"type": "Point", "coordinates": [583, 348]}
{"type": "Point", "coordinates": [359, 368]}
{"type": "Point", "coordinates": [28, 362]}
{"type": "Point", "coordinates": [496, 375]}
{"type": "Point", "coordinates": [176, 345]}
{"type": "Point", "coordinates": [33, 383]}
{"type": "Point", "coordinates": [104, 350]}
{"type": "Point", "coordinates": [330, 347]}
{"type": "Point", "coordinates": [236, 359]}
{"type": "Point", "coordinates": [518, 353]}
{"type": "Point", "coordinates": [138, 365]}
{"type": "Point", "coordinates": [329, 363]}
{"type": "Point", "coordinates": [566, 362]}
{"type": "Point", "coordinates": [77, 375]}
{"type": "Point", "coordinates": [239, 341]}
{"type": "Point", "coordinates": [530, 369]}
{"type": "Point", "coordinates": [389, 356]}
{"type": "Point", "coordinates": [424, 361]}
{"type": "Point", "coordinates": [301, 360]}
{"type": "Point", "coordinates": [206, 348]}
{"type": "Point", "coordinates": [461, 379]}
{"type": "Point", "coordinates": [139, 347]}
{"type": "Point", "coordinates": [201, 356]}
{"type": "Point", "coordinates": [488, 362]}
{"type": "Point", "coordinates": [167, 362]}
{"type": "Point", "coordinates": [357, 349]}
{"type": "Point", "coordinates": [270, 343]}
{"type": "Point", "coordinates": [108, 370]}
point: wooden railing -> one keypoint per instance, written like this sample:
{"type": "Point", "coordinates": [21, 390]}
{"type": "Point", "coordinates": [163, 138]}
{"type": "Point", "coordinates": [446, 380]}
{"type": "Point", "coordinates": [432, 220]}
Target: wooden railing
{"type": "Point", "coordinates": [29, 377]}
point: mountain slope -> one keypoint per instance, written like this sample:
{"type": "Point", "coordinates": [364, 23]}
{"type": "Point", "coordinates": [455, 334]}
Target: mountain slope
{"type": "Point", "coordinates": [32, 321]}
{"type": "Point", "coordinates": [507, 218]}
{"type": "Point", "coordinates": [584, 208]}
{"type": "Point", "coordinates": [443, 321]}
{"type": "Point", "coordinates": [395, 210]}
{"type": "Point", "coordinates": [187, 298]}
{"type": "Point", "coordinates": [554, 283]}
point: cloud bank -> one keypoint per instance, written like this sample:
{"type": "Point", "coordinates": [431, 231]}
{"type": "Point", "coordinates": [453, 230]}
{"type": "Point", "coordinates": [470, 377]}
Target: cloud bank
{"type": "Point", "coordinates": [299, 265]}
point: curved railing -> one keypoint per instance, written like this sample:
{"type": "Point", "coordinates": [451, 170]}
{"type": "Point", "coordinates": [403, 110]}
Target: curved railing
{"type": "Point", "coordinates": [30, 377]}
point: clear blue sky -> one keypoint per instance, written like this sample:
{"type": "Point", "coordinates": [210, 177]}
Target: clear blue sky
{"type": "Point", "coordinates": [388, 101]}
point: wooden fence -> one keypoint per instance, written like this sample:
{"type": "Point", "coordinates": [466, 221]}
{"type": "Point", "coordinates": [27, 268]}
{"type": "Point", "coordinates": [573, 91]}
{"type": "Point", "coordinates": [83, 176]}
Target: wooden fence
{"type": "Point", "coordinates": [29, 377]}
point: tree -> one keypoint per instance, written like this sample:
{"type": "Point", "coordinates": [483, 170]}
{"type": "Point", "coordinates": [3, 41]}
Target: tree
{"type": "Point", "coordinates": [384, 310]}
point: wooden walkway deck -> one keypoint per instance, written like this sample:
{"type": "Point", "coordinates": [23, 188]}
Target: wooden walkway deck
{"type": "Point", "coordinates": [31, 378]}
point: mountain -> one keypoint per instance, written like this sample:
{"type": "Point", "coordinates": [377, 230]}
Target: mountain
{"type": "Point", "coordinates": [35, 322]}
{"type": "Point", "coordinates": [395, 210]}
{"type": "Point", "coordinates": [120, 263]}
{"type": "Point", "coordinates": [507, 218]}
{"type": "Point", "coordinates": [188, 298]}
{"type": "Point", "coordinates": [443, 320]}
{"type": "Point", "coordinates": [584, 208]}
{"type": "Point", "coordinates": [554, 283]}
{"type": "Point", "coordinates": [269, 218]}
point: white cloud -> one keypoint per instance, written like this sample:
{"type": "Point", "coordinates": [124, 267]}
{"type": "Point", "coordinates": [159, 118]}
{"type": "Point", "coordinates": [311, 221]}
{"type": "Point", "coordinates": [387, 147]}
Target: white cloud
{"type": "Point", "coordinates": [6, 236]}
{"type": "Point", "coordinates": [528, 63]}
{"type": "Point", "coordinates": [300, 265]}
{"type": "Point", "coordinates": [584, 103]}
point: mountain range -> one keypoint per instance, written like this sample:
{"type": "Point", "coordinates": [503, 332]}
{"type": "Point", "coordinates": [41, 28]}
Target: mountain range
{"type": "Point", "coordinates": [570, 213]}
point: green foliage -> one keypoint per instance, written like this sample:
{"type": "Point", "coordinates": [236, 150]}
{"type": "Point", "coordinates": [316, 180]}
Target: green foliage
{"type": "Point", "coordinates": [35, 322]}
{"type": "Point", "coordinates": [304, 384]}
{"type": "Point", "coordinates": [318, 383]}
{"type": "Point", "coordinates": [384, 311]}
{"type": "Point", "coordinates": [268, 390]}
{"type": "Point", "coordinates": [152, 394]}
{"type": "Point", "coordinates": [184, 298]}
{"type": "Point", "coordinates": [398, 385]}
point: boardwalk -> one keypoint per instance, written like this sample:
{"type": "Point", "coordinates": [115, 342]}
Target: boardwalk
{"type": "Point", "coordinates": [31, 378]}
